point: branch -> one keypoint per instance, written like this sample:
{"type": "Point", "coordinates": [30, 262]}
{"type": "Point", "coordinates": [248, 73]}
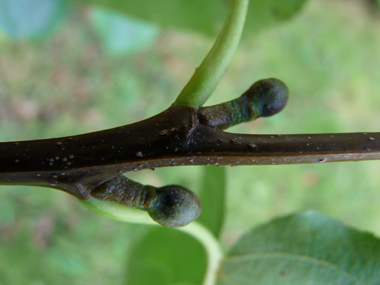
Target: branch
{"type": "Point", "coordinates": [175, 137]}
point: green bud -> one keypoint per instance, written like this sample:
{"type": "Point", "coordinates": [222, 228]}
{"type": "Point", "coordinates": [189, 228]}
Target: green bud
{"type": "Point", "coordinates": [170, 206]}
{"type": "Point", "coordinates": [174, 206]}
{"type": "Point", "coordinates": [265, 98]}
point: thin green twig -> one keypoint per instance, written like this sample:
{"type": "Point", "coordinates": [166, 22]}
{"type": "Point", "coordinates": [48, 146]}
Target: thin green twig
{"type": "Point", "coordinates": [207, 76]}
{"type": "Point", "coordinates": [119, 212]}
{"type": "Point", "coordinates": [211, 246]}
{"type": "Point", "coordinates": [116, 211]}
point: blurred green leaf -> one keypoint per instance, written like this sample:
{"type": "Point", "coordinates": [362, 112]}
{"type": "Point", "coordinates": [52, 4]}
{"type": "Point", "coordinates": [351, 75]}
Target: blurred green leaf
{"type": "Point", "coordinates": [166, 256]}
{"type": "Point", "coordinates": [213, 198]}
{"type": "Point", "coordinates": [195, 15]}
{"type": "Point", "coordinates": [204, 16]}
{"type": "Point", "coordinates": [7, 212]}
{"type": "Point", "coordinates": [266, 14]}
{"type": "Point", "coordinates": [121, 34]}
{"type": "Point", "coordinates": [29, 19]}
{"type": "Point", "coordinates": [305, 248]}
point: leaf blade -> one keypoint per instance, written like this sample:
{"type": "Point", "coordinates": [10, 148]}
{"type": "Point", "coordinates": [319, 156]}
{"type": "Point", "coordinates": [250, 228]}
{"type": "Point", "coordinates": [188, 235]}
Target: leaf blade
{"type": "Point", "coordinates": [204, 16]}
{"type": "Point", "coordinates": [302, 249]}
{"type": "Point", "coordinates": [159, 259]}
{"type": "Point", "coordinates": [121, 34]}
{"type": "Point", "coordinates": [194, 15]}
{"type": "Point", "coordinates": [213, 199]}
{"type": "Point", "coordinates": [30, 19]}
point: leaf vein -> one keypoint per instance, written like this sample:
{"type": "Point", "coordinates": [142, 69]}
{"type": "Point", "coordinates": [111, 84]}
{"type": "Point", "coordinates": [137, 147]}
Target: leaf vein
{"type": "Point", "coordinates": [294, 256]}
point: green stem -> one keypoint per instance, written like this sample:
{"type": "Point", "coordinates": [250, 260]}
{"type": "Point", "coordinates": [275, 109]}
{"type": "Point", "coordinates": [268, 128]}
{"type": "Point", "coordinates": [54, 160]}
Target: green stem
{"type": "Point", "coordinates": [116, 211]}
{"type": "Point", "coordinates": [113, 210]}
{"type": "Point", "coordinates": [211, 246]}
{"type": "Point", "coordinates": [207, 76]}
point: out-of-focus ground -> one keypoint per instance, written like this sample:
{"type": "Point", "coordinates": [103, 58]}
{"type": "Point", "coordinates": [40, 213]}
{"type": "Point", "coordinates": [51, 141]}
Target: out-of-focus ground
{"type": "Point", "coordinates": [329, 56]}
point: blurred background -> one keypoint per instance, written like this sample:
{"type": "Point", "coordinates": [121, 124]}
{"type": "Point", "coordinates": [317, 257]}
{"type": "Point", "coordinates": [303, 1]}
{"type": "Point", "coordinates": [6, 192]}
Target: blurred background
{"type": "Point", "coordinates": [84, 75]}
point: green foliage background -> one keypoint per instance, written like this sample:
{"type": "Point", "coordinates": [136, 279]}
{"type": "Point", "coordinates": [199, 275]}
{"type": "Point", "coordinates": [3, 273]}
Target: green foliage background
{"type": "Point", "coordinates": [328, 55]}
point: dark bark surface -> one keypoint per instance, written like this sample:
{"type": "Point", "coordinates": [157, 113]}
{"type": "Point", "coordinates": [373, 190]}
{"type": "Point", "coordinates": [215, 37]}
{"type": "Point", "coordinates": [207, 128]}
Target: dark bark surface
{"type": "Point", "coordinates": [174, 137]}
